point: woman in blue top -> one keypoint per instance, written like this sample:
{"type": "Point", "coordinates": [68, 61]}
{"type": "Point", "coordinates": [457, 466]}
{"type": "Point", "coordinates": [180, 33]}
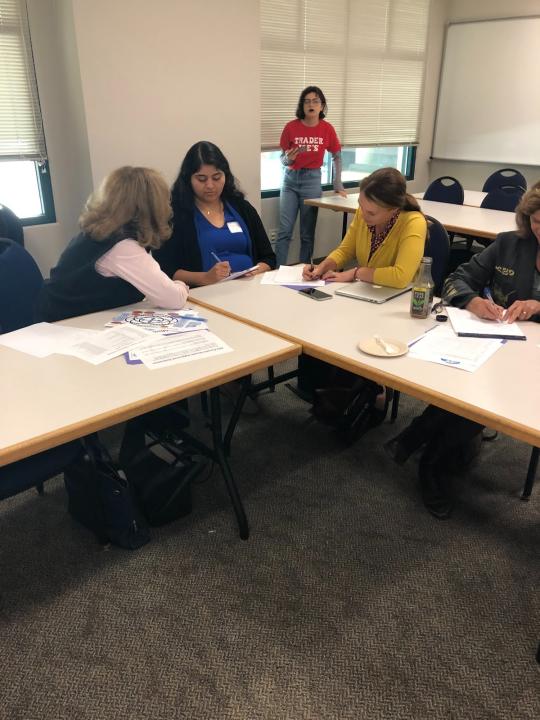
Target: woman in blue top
{"type": "Point", "coordinates": [215, 230]}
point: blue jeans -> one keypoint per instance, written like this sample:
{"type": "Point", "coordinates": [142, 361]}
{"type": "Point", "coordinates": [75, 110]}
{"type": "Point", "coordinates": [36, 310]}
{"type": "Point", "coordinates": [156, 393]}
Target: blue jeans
{"type": "Point", "coordinates": [297, 186]}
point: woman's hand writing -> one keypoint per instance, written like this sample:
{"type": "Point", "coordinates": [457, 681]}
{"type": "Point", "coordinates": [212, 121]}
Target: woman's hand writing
{"type": "Point", "coordinates": [522, 310]}
{"type": "Point", "coordinates": [220, 271]}
{"type": "Point", "coordinates": [485, 309]}
{"type": "Point", "coordinates": [311, 272]}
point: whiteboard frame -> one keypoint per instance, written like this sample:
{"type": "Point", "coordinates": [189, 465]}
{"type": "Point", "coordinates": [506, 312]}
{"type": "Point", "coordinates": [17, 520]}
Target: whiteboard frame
{"type": "Point", "coordinates": [443, 158]}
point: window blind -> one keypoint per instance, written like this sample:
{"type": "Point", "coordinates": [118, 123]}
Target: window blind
{"type": "Point", "coordinates": [367, 56]}
{"type": "Point", "coordinates": [21, 128]}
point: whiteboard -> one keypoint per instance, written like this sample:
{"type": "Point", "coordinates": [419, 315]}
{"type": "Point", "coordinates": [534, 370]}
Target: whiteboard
{"type": "Point", "coordinates": [489, 95]}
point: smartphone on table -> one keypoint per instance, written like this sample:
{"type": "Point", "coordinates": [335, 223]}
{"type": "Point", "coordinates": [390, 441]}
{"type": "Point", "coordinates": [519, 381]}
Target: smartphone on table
{"type": "Point", "coordinates": [315, 293]}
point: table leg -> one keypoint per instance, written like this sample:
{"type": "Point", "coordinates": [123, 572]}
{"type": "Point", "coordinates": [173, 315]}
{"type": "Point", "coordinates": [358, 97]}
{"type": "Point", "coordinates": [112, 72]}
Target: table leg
{"type": "Point", "coordinates": [217, 436]}
{"type": "Point", "coordinates": [531, 474]}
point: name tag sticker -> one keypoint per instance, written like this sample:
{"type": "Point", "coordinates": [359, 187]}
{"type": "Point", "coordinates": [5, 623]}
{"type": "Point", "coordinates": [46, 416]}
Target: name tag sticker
{"type": "Point", "coordinates": [234, 227]}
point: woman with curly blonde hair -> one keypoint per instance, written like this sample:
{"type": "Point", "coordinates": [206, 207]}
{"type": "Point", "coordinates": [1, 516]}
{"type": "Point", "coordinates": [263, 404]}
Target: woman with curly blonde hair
{"type": "Point", "coordinates": [108, 264]}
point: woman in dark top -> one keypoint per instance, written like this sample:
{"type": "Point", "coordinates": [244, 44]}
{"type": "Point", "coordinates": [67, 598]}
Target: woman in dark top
{"type": "Point", "coordinates": [508, 270]}
{"type": "Point", "coordinates": [108, 264]}
{"type": "Point", "coordinates": [215, 230]}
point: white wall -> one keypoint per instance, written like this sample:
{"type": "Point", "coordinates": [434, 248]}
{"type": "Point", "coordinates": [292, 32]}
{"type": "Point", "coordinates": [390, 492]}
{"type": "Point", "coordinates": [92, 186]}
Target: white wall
{"type": "Point", "coordinates": [138, 82]}
{"type": "Point", "coordinates": [472, 174]}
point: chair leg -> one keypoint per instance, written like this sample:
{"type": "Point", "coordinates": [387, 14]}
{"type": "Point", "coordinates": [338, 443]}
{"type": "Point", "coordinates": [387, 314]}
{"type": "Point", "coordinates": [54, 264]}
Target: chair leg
{"type": "Point", "coordinates": [395, 406]}
{"type": "Point", "coordinates": [531, 474]}
{"type": "Point", "coordinates": [271, 379]}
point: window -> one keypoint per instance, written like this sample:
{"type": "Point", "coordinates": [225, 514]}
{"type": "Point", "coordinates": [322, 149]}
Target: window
{"type": "Point", "coordinates": [24, 175]}
{"type": "Point", "coordinates": [369, 59]}
{"type": "Point", "coordinates": [357, 163]}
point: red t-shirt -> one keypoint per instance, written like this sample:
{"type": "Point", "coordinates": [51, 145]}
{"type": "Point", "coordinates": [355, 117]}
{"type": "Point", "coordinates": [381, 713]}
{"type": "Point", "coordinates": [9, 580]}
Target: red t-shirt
{"type": "Point", "coordinates": [312, 141]}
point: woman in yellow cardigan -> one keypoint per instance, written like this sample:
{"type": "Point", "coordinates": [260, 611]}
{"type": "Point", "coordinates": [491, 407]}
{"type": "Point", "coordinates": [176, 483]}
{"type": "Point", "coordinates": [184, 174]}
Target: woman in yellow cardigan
{"type": "Point", "coordinates": [385, 241]}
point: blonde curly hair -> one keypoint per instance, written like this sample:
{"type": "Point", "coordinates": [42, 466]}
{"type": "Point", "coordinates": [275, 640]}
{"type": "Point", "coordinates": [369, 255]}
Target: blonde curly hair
{"type": "Point", "coordinates": [135, 200]}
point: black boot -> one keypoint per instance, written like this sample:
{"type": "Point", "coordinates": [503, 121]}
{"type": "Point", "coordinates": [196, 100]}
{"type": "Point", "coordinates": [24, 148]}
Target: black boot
{"type": "Point", "coordinates": [436, 491]}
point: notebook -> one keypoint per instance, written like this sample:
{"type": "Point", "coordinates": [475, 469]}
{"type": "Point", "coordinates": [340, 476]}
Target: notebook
{"type": "Point", "coordinates": [361, 290]}
{"type": "Point", "coordinates": [466, 324]}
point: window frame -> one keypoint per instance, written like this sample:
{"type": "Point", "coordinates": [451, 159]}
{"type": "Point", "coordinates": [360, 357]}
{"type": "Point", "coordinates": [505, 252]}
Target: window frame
{"type": "Point", "coordinates": [408, 172]}
{"type": "Point", "coordinates": [23, 126]}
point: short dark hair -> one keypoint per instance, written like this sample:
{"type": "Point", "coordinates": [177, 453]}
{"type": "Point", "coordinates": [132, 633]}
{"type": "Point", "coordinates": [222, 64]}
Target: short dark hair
{"type": "Point", "coordinates": [202, 153]}
{"type": "Point", "coordinates": [300, 114]}
{"type": "Point", "coordinates": [388, 188]}
{"type": "Point", "coordinates": [527, 206]}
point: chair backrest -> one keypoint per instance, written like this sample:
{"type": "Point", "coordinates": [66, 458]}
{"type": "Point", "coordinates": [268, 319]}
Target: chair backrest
{"type": "Point", "coordinates": [503, 198]}
{"type": "Point", "coordinates": [10, 225]}
{"type": "Point", "coordinates": [437, 248]}
{"type": "Point", "coordinates": [20, 282]}
{"type": "Point", "coordinates": [445, 189]}
{"type": "Point", "coordinates": [505, 176]}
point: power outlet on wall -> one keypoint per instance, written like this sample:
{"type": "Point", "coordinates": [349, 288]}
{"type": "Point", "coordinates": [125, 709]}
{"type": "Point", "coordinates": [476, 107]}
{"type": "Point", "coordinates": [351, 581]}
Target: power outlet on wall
{"type": "Point", "coordinates": [272, 235]}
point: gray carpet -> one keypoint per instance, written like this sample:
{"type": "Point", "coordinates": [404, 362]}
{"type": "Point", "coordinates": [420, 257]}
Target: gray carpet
{"type": "Point", "coordinates": [348, 600]}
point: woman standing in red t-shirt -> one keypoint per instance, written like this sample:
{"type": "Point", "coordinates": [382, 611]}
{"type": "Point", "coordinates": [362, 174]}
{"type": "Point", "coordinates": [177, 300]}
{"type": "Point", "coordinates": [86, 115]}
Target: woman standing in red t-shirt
{"type": "Point", "coordinates": [303, 143]}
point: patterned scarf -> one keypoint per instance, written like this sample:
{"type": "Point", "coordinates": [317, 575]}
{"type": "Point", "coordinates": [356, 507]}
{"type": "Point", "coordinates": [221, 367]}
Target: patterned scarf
{"type": "Point", "coordinates": [377, 239]}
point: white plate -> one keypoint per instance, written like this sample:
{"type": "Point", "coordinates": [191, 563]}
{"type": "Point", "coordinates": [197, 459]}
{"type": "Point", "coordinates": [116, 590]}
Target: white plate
{"type": "Point", "coordinates": [372, 347]}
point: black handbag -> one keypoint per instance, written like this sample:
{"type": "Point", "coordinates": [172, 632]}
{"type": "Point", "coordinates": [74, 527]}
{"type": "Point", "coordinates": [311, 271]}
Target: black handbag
{"type": "Point", "coordinates": [101, 498]}
{"type": "Point", "coordinates": [163, 488]}
{"type": "Point", "coordinates": [350, 410]}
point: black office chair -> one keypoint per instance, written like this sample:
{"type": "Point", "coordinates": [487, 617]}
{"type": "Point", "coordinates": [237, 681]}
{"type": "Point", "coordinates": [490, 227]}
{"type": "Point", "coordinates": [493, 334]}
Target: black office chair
{"type": "Point", "coordinates": [438, 248]}
{"type": "Point", "coordinates": [445, 189]}
{"type": "Point", "coordinates": [20, 282]}
{"type": "Point", "coordinates": [10, 225]}
{"type": "Point", "coordinates": [505, 176]}
{"type": "Point", "coordinates": [505, 198]}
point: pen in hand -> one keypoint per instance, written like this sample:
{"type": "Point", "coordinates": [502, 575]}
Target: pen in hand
{"type": "Point", "coordinates": [489, 296]}
{"type": "Point", "coordinates": [216, 257]}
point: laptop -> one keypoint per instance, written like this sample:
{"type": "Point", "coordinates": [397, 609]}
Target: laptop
{"type": "Point", "coordinates": [361, 290]}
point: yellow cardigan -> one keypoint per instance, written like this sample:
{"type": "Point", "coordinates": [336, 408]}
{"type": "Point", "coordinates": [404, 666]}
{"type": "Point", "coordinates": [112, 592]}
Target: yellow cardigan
{"type": "Point", "coordinates": [396, 260]}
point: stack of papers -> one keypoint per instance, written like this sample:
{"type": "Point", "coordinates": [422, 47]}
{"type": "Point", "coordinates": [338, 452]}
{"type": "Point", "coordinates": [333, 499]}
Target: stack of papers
{"type": "Point", "coordinates": [441, 345]}
{"type": "Point", "coordinates": [289, 275]}
{"type": "Point", "coordinates": [466, 324]}
{"type": "Point", "coordinates": [149, 342]}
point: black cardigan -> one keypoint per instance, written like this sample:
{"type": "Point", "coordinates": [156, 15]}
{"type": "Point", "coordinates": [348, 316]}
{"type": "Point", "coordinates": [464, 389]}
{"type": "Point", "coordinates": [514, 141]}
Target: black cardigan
{"type": "Point", "coordinates": [76, 288]}
{"type": "Point", "coordinates": [182, 252]}
{"type": "Point", "coordinates": [506, 266]}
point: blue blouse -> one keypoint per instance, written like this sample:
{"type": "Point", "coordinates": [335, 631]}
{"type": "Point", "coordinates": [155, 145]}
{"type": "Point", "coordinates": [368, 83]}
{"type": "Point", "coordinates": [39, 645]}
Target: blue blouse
{"type": "Point", "coordinates": [230, 242]}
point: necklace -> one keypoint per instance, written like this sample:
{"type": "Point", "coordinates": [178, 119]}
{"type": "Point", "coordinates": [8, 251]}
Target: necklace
{"type": "Point", "coordinates": [210, 211]}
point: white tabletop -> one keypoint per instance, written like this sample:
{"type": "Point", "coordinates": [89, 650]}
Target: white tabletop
{"type": "Point", "coordinates": [473, 198]}
{"type": "Point", "coordinates": [48, 401]}
{"type": "Point", "coordinates": [504, 393]}
{"type": "Point", "coordinates": [456, 218]}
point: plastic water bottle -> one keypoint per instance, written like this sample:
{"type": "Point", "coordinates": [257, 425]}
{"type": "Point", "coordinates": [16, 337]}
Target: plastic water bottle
{"type": "Point", "coordinates": [422, 291]}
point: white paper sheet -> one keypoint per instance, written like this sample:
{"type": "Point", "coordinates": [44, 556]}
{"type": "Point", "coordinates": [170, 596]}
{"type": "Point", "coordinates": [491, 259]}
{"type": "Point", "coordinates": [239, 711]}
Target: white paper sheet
{"type": "Point", "coordinates": [163, 351]}
{"type": "Point", "coordinates": [106, 344]}
{"type": "Point", "coordinates": [465, 323]}
{"type": "Point", "coordinates": [289, 275]}
{"type": "Point", "coordinates": [442, 345]}
{"type": "Point", "coordinates": [43, 339]}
